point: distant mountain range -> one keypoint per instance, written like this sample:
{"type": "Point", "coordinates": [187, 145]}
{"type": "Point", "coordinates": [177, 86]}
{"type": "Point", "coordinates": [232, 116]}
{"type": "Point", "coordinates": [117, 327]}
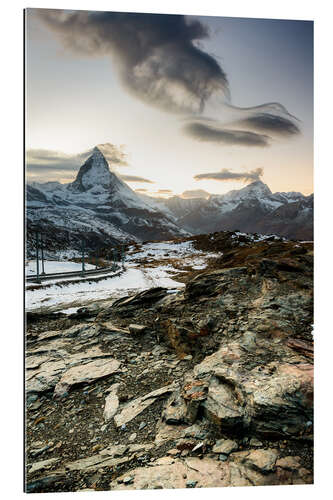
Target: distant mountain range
{"type": "Point", "coordinates": [252, 209]}
{"type": "Point", "coordinates": [101, 209]}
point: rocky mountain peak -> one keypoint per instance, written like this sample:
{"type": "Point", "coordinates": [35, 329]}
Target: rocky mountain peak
{"type": "Point", "coordinates": [95, 171]}
{"type": "Point", "coordinates": [257, 188]}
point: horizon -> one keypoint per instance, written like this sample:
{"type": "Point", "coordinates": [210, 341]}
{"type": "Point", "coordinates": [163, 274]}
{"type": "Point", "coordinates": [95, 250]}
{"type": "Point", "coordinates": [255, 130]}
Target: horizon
{"type": "Point", "coordinates": [184, 195]}
{"type": "Point", "coordinates": [204, 141]}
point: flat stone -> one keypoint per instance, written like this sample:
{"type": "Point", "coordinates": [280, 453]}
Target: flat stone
{"type": "Point", "coordinates": [43, 464]}
{"type": "Point", "coordinates": [115, 450]}
{"type": "Point", "coordinates": [167, 472]}
{"type": "Point", "coordinates": [47, 367]}
{"type": "Point", "coordinates": [263, 460]}
{"type": "Point", "coordinates": [111, 403]}
{"type": "Point", "coordinates": [82, 331]}
{"type": "Point", "coordinates": [170, 472]}
{"type": "Point", "coordinates": [33, 362]}
{"type": "Point", "coordinates": [137, 329]}
{"type": "Point", "coordinates": [291, 463]}
{"type": "Point", "coordinates": [225, 446]}
{"type": "Point", "coordinates": [95, 462]}
{"type": "Point", "coordinates": [85, 356]}
{"type": "Point", "coordinates": [166, 432]}
{"type": "Point", "coordinates": [85, 374]}
{"type": "Point", "coordinates": [111, 328]}
{"type": "Point", "coordinates": [134, 408]}
{"type": "Point", "coordinates": [255, 442]}
{"type": "Point", "coordinates": [46, 377]}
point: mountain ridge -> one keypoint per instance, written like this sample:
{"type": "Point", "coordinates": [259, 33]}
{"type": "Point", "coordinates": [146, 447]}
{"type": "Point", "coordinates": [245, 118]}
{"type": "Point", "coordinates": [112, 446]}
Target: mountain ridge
{"type": "Point", "coordinates": [99, 207]}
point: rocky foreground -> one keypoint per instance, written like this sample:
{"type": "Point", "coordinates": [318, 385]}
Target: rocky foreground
{"type": "Point", "coordinates": [208, 386]}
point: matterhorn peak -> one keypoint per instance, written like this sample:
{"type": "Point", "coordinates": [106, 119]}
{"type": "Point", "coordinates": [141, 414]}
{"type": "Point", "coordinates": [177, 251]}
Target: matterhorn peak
{"type": "Point", "coordinates": [95, 171]}
{"type": "Point", "coordinates": [97, 153]}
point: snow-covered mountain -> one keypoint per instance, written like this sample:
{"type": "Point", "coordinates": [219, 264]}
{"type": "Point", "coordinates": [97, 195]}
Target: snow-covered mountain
{"type": "Point", "coordinates": [98, 207]}
{"type": "Point", "coordinates": [101, 209]}
{"type": "Point", "coordinates": [253, 208]}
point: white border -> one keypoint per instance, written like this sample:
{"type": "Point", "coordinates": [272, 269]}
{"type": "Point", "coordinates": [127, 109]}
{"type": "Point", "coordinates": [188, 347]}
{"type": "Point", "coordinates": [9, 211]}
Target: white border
{"type": "Point", "coordinates": [12, 228]}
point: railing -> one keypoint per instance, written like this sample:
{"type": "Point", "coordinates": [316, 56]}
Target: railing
{"type": "Point", "coordinates": [39, 277]}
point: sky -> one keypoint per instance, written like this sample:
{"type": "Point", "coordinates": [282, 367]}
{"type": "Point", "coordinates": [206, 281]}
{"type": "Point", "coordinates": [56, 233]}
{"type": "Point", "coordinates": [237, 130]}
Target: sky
{"type": "Point", "coordinates": [179, 104]}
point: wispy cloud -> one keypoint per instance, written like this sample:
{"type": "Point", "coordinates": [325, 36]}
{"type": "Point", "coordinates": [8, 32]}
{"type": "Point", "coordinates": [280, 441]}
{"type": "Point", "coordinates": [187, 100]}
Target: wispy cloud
{"type": "Point", "coordinates": [58, 165]}
{"type": "Point", "coordinates": [275, 125]}
{"type": "Point", "coordinates": [160, 62]}
{"type": "Point", "coordinates": [135, 178]}
{"type": "Point", "coordinates": [207, 133]}
{"type": "Point", "coordinates": [115, 155]}
{"type": "Point", "coordinates": [163, 191]}
{"type": "Point", "coordinates": [228, 175]}
{"type": "Point", "coordinates": [195, 193]}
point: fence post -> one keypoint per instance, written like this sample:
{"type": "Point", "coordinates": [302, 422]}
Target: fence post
{"type": "Point", "coordinates": [82, 249]}
{"type": "Point", "coordinates": [123, 256]}
{"type": "Point", "coordinates": [114, 265]}
{"type": "Point", "coordinates": [42, 250]}
{"type": "Point", "coordinates": [37, 256]}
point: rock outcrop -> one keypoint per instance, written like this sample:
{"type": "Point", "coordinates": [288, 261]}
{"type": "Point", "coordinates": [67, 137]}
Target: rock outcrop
{"type": "Point", "coordinates": [211, 386]}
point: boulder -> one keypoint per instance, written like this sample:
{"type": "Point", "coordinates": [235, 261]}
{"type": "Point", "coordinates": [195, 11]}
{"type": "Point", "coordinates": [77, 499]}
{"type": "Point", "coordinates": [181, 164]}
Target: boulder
{"type": "Point", "coordinates": [175, 410]}
{"type": "Point", "coordinates": [212, 283]}
{"type": "Point", "coordinates": [222, 407]}
{"type": "Point", "coordinates": [145, 298]}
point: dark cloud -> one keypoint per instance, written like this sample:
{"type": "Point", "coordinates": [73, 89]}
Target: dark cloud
{"type": "Point", "coordinates": [39, 160]}
{"type": "Point", "coordinates": [239, 124]}
{"type": "Point", "coordinates": [195, 193]}
{"type": "Point", "coordinates": [228, 175]}
{"type": "Point", "coordinates": [159, 61]}
{"type": "Point", "coordinates": [156, 54]}
{"type": "Point", "coordinates": [135, 178]}
{"type": "Point", "coordinates": [58, 163]}
{"type": "Point", "coordinates": [270, 123]}
{"type": "Point", "coordinates": [208, 133]}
